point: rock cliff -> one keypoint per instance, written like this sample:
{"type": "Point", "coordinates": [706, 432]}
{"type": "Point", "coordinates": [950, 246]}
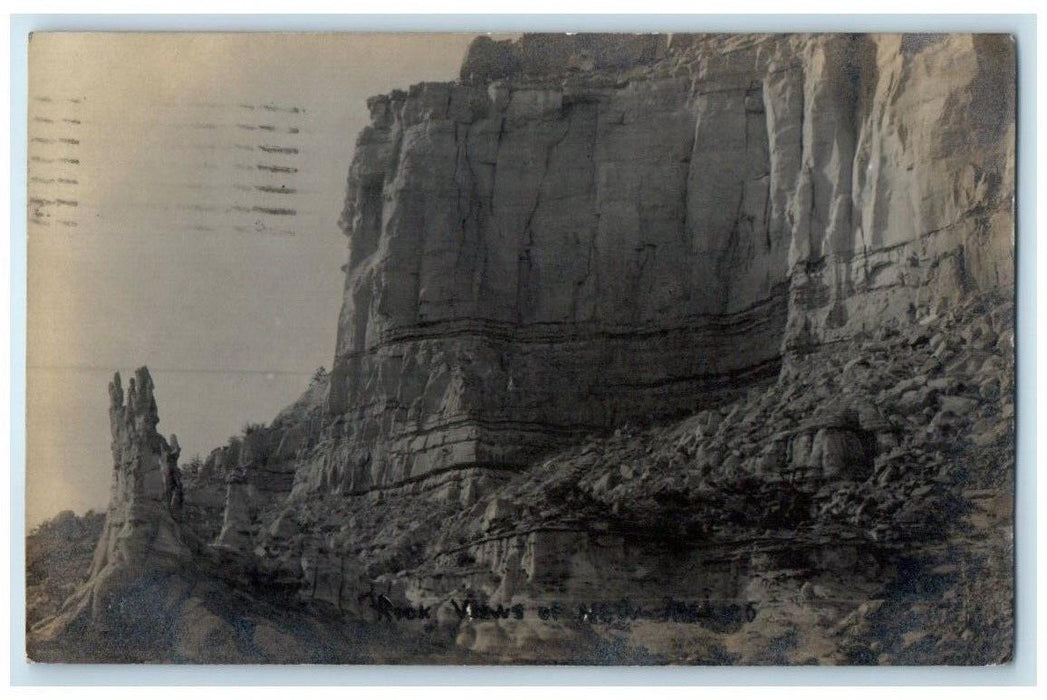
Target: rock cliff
{"type": "Point", "coordinates": [590, 230]}
{"type": "Point", "coordinates": [686, 349]}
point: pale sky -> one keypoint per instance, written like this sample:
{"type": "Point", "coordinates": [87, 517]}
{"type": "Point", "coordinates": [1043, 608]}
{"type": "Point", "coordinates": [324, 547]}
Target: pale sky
{"type": "Point", "coordinates": [163, 230]}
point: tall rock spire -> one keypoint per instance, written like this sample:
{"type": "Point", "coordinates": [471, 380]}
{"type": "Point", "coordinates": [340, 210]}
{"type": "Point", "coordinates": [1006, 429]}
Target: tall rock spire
{"type": "Point", "coordinates": [141, 540]}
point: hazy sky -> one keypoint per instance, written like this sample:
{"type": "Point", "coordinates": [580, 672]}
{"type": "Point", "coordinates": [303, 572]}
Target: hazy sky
{"type": "Point", "coordinates": [184, 197]}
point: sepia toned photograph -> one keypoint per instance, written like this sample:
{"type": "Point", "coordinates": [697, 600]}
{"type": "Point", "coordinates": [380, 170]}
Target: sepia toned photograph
{"type": "Point", "coordinates": [500, 349]}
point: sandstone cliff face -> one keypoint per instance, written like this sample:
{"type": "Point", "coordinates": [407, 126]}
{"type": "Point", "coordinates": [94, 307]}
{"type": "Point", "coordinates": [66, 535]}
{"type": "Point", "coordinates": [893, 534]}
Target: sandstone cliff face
{"type": "Point", "coordinates": [726, 319]}
{"type": "Point", "coordinates": [536, 254]}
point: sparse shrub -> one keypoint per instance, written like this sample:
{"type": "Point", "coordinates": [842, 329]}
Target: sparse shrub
{"type": "Point", "coordinates": [195, 464]}
{"type": "Point", "coordinates": [250, 428]}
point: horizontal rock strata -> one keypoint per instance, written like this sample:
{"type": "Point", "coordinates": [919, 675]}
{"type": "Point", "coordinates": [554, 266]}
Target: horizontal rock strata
{"type": "Point", "coordinates": [545, 250]}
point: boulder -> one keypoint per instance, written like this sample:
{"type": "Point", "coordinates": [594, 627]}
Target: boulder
{"type": "Point", "coordinates": [958, 405]}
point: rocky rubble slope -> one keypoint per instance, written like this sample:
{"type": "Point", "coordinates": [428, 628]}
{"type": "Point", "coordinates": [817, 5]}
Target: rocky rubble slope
{"type": "Point", "coordinates": [857, 503]}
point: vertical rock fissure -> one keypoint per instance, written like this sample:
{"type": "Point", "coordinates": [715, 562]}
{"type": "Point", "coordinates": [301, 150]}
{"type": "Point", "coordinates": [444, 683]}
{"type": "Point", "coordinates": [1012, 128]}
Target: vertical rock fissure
{"type": "Point", "coordinates": [587, 278]}
{"type": "Point", "coordinates": [524, 290]}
